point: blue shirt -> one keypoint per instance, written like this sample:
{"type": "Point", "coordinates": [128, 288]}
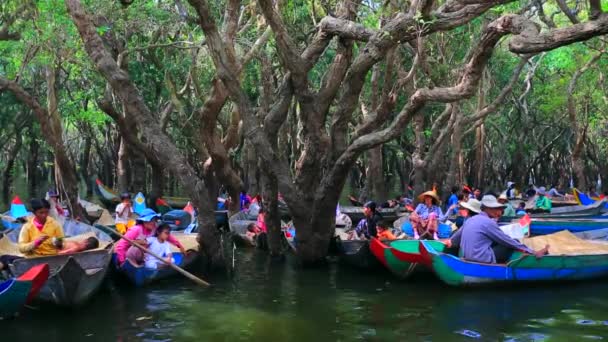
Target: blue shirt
{"type": "Point", "coordinates": [477, 236]}
{"type": "Point", "coordinates": [451, 201]}
{"type": "Point", "coordinates": [367, 226]}
{"type": "Point", "coordinates": [423, 211]}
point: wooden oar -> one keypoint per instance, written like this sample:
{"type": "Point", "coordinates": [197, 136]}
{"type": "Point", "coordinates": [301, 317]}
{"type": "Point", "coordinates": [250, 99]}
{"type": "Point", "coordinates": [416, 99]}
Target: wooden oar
{"type": "Point", "coordinates": [170, 264]}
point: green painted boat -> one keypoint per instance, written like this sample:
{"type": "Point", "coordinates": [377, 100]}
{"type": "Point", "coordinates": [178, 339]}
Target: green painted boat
{"type": "Point", "coordinates": [402, 257]}
{"type": "Point", "coordinates": [17, 292]}
{"type": "Point", "coordinates": [522, 268]}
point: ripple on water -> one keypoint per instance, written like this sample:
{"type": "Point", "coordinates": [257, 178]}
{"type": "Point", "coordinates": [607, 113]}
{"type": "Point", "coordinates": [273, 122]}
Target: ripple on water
{"type": "Point", "coordinates": [527, 337]}
{"type": "Point", "coordinates": [468, 333]}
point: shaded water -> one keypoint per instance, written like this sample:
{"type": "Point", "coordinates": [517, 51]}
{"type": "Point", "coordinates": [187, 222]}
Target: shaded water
{"type": "Point", "coordinates": [280, 302]}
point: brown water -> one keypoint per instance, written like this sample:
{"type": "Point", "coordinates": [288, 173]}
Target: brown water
{"type": "Point", "coordinates": [266, 301]}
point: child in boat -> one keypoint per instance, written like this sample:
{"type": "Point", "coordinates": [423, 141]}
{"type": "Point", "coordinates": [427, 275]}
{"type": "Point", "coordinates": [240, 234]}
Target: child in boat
{"type": "Point", "coordinates": [123, 213]}
{"type": "Point", "coordinates": [521, 209]}
{"type": "Point", "coordinates": [70, 247]}
{"type": "Point", "coordinates": [159, 245]}
{"type": "Point", "coordinates": [35, 238]}
{"type": "Point", "coordinates": [384, 232]}
{"type": "Point", "coordinates": [145, 227]}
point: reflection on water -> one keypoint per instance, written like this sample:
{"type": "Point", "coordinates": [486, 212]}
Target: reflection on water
{"type": "Point", "coordinates": [264, 301]}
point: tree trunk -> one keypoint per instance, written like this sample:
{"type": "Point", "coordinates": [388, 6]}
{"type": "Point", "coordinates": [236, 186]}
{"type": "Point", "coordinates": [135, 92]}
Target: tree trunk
{"type": "Point", "coordinates": [8, 171]}
{"type": "Point", "coordinates": [272, 216]}
{"type": "Point", "coordinates": [480, 135]}
{"type": "Point", "coordinates": [137, 170]}
{"type": "Point", "coordinates": [158, 181]}
{"type": "Point", "coordinates": [375, 175]}
{"type": "Point", "coordinates": [122, 178]}
{"type": "Point", "coordinates": [32, 164]}
{"type": "Point", "coordinates": [84, 165]}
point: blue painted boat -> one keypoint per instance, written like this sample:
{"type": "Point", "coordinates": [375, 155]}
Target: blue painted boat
{"type": "Point", "coordinates": [141, 276]}
{"type": "Point", "coordinates": [550, 226]}
{"type": "Point", "coordinates": [522, 268]}
{"type": "Point", "coordinates": [583, 199]}
{"type": "Point", "coordinates": [17, 292]}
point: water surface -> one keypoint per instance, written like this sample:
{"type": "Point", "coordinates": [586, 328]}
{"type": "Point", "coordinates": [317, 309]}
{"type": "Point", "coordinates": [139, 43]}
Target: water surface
{"type": "Point", "coordinates": [264, 301]}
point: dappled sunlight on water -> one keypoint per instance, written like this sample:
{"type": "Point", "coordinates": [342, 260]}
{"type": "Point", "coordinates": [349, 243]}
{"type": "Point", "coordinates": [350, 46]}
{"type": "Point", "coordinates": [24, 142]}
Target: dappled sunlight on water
{"type": "Point", "coordinates": [265, 301]}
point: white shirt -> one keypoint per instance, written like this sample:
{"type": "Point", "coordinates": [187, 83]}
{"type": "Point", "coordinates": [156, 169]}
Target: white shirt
{"type": "Point", "coordinates": [124, 218]}
{"type": "Point", "coordinates": [162, 249]}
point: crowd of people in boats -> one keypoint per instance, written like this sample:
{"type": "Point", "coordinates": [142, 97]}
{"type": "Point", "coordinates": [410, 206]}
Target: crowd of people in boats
{"type": "Point", "coordinates": [473, 215]}
{"type": "Point", "coordinates": [42, 234]}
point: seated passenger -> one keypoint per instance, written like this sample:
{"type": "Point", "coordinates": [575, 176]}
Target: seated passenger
{"type": "Point", "coordinates": [145, 227]}
{"type": "Point", "coordinates": [543, 203]}
{"type": "Point", "coordinates": [159, 245]}
{"type": "Point", "coordinates": [35, 238]}
{"type": "Point", "coordinates": [509, 211]}
{"type": "Point", "coordinates": [481, 240]}
{"type": "Point", "coordinates": [384, 233]}
{"type": "Point", "coordinates": [123, 213]}
{"type": "Point", "coordinates": [467, 210]}
{"type": "Point", "coordinates": [425, 219]}
{"type": "Point", "coordinates": [521, 209]}
{"type": "Point", "coordinates": [366, 229]}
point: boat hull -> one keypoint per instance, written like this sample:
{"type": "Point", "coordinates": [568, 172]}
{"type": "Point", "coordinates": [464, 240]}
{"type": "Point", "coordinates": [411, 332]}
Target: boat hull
{"type": "Point", "coordinates": [544, 227]}
{"type": "Point", "coordinates": [142, 276]}
{"type": "Point", "coordinates": [401, 257]}
{"type": "Point", "coordinates": [357, 253]}
{"type": "Point", "coordinates": [522, 269]}
{"type": "Point", "coordinates": [73, 279]}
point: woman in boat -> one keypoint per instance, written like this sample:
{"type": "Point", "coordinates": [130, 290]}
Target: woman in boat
{"type": "Point", "coordinates": [123, 213]}
{"type": "Point", "coordinates": [452, 202]}
{"type": "Point", "coordinates": [36, 236]}
{"type": "Point", "coordinates": [144, 228]}
{"type": "Point", "coordinates": [57, 211]}
{"type": "Point", "coordinates": [159, 245]}
{"type": "Point", "coordinates": [521, 209]}
{"type": "Point", "coordinates": [261, 220]}
{"type": "Point", "coordinates": [510, 192]}
{"type": "Point", "coordinates": [467, 210]}
{"type": "Point", "coordinates": [366, 229]}
{"type": "Point", "coordinates": [543, 203]}
{"type": "Point", "coordinates": [244, 200]}
{"type": "Point", "coordinates": [425, 219]}
{"type": "Point", "coordinates": [509, 211]}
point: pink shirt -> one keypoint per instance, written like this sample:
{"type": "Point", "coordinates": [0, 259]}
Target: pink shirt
{"type": "Point", "coordinates": [262, 223]}
{"type": "Point", "coordinates": [137, 232]}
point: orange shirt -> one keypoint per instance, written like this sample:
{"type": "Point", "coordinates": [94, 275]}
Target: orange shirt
{"type": "Point", "coordinates": [386, 235]}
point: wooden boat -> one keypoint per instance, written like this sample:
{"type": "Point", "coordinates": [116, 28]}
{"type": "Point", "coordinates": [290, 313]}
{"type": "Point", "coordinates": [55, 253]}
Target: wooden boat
{"type": "Point", "coordinates": [583, 199]}
{"type": "Point", "coordinates": [17, 292]}
{"type": "Point", "coordinates": [521, 268]}
{"type": "Point", "coordinates": [401, 257]}
{"type": "Point", "coordinates": [111, 198]}
{"type": "Point", "coordinates": [356, 213]}
{"type": "Point", "coordinates": [74, 278]}
{"type": "Point", "coordinates": [549, 226]}
{"type": "Point", "coordinates": [93, 211]}
{"type": "Point", "coordinates": [140, 275]}
{"type": "Point", "coordinates": [571, 212]}
{"type": "Point", "coordinates": [357, 253]}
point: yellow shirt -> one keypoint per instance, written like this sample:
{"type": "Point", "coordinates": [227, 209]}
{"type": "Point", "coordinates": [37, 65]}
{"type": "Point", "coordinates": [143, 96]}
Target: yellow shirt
{"type": "Point", "coordinates": [29, 233]}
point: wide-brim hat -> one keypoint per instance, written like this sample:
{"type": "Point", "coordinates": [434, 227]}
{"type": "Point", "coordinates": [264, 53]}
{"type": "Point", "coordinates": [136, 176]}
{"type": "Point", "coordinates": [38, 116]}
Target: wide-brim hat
{"type": "Point", "coordinates": [489, 201]}
{"type": "Point", "coordinates": [503, 197]}
{"type": "Point", "coordinates": [472, 204]}
{"type": "Point", "coordinates": [148, 215]}
{"type": "Point", "coordinates": [431, 194]}
{"type": "Point", "coordinates": [541, 190]}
